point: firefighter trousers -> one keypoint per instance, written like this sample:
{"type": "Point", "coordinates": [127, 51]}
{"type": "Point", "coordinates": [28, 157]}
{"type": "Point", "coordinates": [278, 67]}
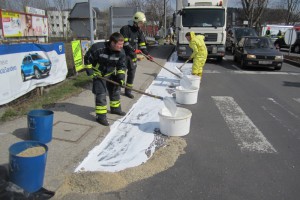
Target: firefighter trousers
{"type": "Point", "coordinates": [100, 87]}
{"type": "Point", "coordinates": [131, 69]}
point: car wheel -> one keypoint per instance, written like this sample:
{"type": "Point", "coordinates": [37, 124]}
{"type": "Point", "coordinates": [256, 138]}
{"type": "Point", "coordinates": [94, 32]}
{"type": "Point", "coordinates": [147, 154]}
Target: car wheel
{"type": "Point", "coordinates": [277, 68]}
{"type": "Point", "coordinates": [37, 73]}
{"type": "Point", "coordinates": [297, 49]}
{"type": "Point", "coordinates": [23, 76]}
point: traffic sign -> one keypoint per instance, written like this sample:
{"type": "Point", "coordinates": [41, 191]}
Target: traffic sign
{"type": "Point", "coordinates": [290, 36]}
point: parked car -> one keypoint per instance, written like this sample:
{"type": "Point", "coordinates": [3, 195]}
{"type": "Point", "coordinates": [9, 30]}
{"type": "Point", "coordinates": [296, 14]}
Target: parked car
{"type": "Point", "coordinates": [258, 51]}
{"type": "Point", "coordinates": [280, 43]}
{"type": "Point", "coordinates": [34, 65]}
{"type": "Point", "coordinates": [235, 34]}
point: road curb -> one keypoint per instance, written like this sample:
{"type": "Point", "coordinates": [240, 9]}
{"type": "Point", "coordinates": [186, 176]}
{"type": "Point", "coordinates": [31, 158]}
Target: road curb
{"type": "Point", "coordinates": [291, 62]}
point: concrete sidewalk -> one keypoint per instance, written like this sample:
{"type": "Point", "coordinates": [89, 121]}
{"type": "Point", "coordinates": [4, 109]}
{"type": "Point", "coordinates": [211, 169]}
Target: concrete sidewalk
{"type": "Point", "coordinates": [75, 131]}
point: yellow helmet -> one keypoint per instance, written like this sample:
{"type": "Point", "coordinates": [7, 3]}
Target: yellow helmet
{"type": "Point", "coordinates": [139, 17]}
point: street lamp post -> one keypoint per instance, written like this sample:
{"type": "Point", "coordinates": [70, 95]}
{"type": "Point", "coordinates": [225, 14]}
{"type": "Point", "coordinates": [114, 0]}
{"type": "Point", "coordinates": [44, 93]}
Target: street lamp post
{"type": "Point", "coordinates": [165, 19]}
{"type": "Point", "coordinates": [91, 22]}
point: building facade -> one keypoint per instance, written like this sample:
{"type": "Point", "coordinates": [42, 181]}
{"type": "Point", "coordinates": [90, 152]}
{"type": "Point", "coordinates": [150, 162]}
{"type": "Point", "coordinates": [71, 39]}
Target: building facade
{"type": "Point", "coordinates": [58, 23]}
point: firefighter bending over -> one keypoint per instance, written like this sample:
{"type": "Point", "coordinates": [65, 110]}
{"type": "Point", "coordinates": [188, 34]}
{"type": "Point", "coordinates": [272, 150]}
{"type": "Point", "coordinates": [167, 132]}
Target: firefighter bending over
{"type": "Point", "coordinates": [108, 62]}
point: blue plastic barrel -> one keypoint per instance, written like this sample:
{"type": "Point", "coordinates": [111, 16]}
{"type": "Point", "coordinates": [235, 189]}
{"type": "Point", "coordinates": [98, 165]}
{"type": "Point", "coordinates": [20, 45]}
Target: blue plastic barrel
{"type": "Point", "coordinates": [40, 123]}
{"type": "Point", "coordinates": [28, 170]}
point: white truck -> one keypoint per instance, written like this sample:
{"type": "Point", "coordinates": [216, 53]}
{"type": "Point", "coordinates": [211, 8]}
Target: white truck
{"type": "Point", "coordinates": [206, 17]}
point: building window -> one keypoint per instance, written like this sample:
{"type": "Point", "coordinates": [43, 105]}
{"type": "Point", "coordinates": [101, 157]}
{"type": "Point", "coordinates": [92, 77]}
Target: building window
{"type": "Point", "coordinates": [53, 33]}
{"type": "Point", "coordinates": [52, 25]}
{"type": "Point", "coordinates": [51, 17]}
{"type": "Point", "coordinates": [64, 17]}
{"type": "Point", "coordinates": [56, 17]}
{"type": "Point", "coordinates": [65, 25]}
{"type": "Point", "coordinates": [57, 25]}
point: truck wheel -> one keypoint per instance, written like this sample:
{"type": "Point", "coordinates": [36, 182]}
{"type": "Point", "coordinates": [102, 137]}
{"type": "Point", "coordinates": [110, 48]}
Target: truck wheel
{"type": "Point", "coordinates": [37, 73]}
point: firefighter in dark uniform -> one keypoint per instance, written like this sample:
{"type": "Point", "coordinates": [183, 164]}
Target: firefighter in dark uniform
{"type": "Point", "coordinates": [108, 62]}
{"type": "Point", "coordinates": [135, 43]}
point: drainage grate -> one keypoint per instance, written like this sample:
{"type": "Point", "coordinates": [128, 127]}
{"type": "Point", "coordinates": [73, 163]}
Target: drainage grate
{"type": "Point", "coordinates": [71, 132]}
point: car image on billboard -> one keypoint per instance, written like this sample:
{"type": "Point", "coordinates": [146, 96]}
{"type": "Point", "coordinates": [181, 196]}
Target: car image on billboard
{"type": "Point", "coordinates": [35, 66]}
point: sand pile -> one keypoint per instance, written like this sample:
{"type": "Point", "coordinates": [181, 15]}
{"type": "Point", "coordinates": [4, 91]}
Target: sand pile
{"type": "Point", "coordinates": [103, 182]}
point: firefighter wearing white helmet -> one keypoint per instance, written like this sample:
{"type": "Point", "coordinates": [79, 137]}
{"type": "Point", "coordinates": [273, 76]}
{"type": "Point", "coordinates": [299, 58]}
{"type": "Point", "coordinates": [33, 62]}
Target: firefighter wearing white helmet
{"type": "Point", "coordinates": [139, 17]}
{"type": "Point", "coordinates": [134, 43]}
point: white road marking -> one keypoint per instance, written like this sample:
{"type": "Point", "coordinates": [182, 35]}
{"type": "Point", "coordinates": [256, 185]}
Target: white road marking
{"type": "Point", "coordinates": [251, 72]}
{"type": "Point", "coordinates": [247, 135]}
{"type": "Point", "coordinates": [278, 120]}
{"type": "Point", "coordinates": [298, 100]}
{"type": "Point", "coordinates": [236, 67]}
{"type": "Point", "coordinates": [290, 112]}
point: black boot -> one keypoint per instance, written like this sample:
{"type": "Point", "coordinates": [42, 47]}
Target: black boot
{"type": "Point", "coordinates": [117, 111]}
{"type": "Point", "coordinates": [128, 93]}
{"type": "Point", "coordinates": [101, 119]}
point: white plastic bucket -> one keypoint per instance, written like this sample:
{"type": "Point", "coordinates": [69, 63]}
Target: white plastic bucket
{"type": "Point", "coordinates": [195, 80]}
{"type": "Point", "coordinates": [186, 96]}
{"type": "Point", "coordinates": [178, 125]}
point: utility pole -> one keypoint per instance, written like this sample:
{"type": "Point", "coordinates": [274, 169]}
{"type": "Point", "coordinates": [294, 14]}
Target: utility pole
{"type": "Point", "coordinates": [165, 18]}
{"type": "Point", "coordinates": [91, 22]}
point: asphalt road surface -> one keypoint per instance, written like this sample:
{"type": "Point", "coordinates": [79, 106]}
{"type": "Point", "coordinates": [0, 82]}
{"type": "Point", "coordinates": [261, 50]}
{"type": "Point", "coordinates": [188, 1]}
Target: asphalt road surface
{"type": "Point", "coordinates": [244, 141]}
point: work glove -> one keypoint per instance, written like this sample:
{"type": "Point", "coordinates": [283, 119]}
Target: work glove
{"type": "Point", "coordinates": [121, 82]}
{"type": "Point", "coordinates": [137, 51]}
{"type": "Point", "coordinates": [96, 74]}
{"type": "Point", "coordinates": [120, 79]}
{"type": "Point", "coordinates": [149, 58]}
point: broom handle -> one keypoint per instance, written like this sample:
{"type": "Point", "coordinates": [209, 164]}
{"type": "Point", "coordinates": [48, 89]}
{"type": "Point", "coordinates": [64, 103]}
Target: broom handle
{"type": "Point", "coordinates": [162, 66]}
{"type": "Point", "coordinates": [124, 86]}
{"type": "Point", "coordinates": [183, 64]}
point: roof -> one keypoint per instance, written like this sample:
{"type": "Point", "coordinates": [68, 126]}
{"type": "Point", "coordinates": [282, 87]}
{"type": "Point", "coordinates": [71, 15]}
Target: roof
{"type": "Point", "coordinates": [80, 10]}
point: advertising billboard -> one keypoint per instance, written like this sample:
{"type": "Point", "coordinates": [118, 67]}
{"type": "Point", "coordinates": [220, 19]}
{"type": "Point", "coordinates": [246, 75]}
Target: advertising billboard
{"type": "Point", "coordinates": [16, 24]}
{"type": "Point", "coordinates": [24, 67]}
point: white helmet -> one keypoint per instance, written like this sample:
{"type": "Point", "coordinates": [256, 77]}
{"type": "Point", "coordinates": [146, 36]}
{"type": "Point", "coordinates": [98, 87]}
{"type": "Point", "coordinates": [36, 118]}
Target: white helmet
{"type": "Point", "coordinates": [139, 17]}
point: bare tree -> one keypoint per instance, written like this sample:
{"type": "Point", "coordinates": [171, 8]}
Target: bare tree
{"type": "Point", "coordinates": [253, 10]}
{"type": "Point", "coordinates": [19, 5]}
{"type": "Point", "coordinates": [154, 9]}
{"type": "Point", "coordinates": [140, 4]}
{"type": "Point", "coordinates": [290, 11]}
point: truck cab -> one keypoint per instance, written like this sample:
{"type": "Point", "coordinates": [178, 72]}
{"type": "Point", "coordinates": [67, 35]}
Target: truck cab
{"type": "Point", "coordinates": [202, 17]}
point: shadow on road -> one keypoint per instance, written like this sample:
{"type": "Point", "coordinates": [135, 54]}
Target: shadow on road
{"type": "Point", "coordinates": [291, 84]}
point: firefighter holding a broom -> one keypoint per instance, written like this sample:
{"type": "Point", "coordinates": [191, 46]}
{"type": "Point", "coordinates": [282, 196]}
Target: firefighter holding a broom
{"type": "Point", "coordinates": [108, 62]}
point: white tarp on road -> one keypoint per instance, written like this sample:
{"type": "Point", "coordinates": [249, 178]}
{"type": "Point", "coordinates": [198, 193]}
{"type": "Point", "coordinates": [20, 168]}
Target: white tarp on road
{"type": "Point", "coordinates": [132, 139]}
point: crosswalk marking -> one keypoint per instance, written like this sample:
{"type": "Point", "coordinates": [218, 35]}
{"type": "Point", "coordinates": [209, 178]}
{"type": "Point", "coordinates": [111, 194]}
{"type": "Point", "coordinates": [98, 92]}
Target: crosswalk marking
{"type": "Point", "coordinates": [279, 105]}
{"type": "Point", "coordinates": [247, 135]}
{"type": "Point", "coordinates": [298, 100]}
